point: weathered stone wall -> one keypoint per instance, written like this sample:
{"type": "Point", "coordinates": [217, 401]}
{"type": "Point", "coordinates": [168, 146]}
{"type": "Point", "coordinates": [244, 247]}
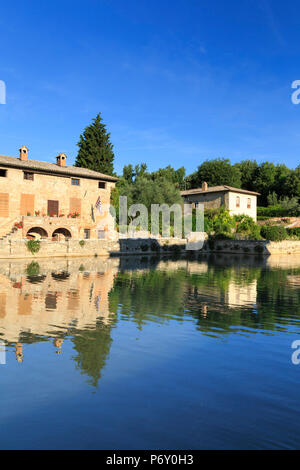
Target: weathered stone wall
{"type": "Point", "coordinates": [50, 187]}
{"type": "Point", "coordinates": [17, 249]}
{"type": "Point", "coordinates": [14, 249]}
{"type": "Point", "coordinates": [210, 200]}
{"type": "Point", "coordinates": [253, 247]}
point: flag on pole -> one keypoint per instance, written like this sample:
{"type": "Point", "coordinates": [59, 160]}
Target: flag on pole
{"type": "Point", "coordinates": [98, 205]}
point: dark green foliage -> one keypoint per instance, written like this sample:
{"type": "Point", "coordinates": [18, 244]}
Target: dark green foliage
{"type": "Point", "coordinates": [216, 173]}
{"type": "Point", "coordinates": [248, 171]}
{"type": "Point", "coordinates": [82, 243]}
{"type": "Point", "coordinates": [274, 182]}
{"type": "Point", "coordinates": [274, 233]}
{"type": "Point", "coordinates": [95, 149]}
{"type": "Point", "coordinates": [294, 232]}
{"type": "Point", "coordinates": [275, 211]}
{"type": "Point", "coordinates": [222, 236]}
{"type": "Point", "coordinates": [270, 211]}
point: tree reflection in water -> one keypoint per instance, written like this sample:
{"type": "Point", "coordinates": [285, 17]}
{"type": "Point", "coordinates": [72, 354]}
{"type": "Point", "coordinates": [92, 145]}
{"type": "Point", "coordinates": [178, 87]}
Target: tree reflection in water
{"type": "Point", "coordinates": [66, 300]}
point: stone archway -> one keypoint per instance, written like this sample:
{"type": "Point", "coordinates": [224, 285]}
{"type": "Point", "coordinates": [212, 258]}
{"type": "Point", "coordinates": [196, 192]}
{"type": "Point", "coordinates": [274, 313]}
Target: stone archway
{"type": "Point", "coordinates": [61, 234]}
{"type": "Point", "coordinates": [37, 233]}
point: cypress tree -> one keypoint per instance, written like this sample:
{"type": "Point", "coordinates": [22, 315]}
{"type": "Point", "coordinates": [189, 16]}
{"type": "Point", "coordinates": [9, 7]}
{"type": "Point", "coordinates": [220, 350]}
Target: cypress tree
{"type": "Point", "coordinates": [95, 149]}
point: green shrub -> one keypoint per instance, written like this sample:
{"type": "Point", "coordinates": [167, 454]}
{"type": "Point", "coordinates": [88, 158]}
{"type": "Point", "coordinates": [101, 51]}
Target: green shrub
{"type": "Point", "coordinates": [222, 236]}
{"type": "Point", "coordinates": [294, 232]}
{"type": "Point", "coordinates": [33, 246]}
{"type": "Point", "coordinates": [284, 209]}
{"type": "Point", "coordinates": [33, 269]}
{"type": "Point", "coordinates": [274, 233]}
{"type": "Point", "coordinates": [82, 243]}
{"type": "Point", "coordinates": [247, 227]}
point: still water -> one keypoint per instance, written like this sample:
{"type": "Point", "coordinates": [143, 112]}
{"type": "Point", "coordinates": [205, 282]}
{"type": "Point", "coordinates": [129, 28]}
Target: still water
{"type": "Point", "coordinates": [148, 353]}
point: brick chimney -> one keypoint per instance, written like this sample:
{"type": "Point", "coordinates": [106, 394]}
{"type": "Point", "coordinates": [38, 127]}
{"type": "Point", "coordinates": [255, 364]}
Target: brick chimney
{"type": "Point", "coordinates": [23, 153]}
{"type": "Point", "coordinates": [204, 186]}
{"type": "Point", "coordinates": [61, 160]}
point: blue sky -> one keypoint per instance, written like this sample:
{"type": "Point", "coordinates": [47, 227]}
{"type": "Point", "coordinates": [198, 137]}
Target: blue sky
{"type": "Point", "coordinates": [177, 81]}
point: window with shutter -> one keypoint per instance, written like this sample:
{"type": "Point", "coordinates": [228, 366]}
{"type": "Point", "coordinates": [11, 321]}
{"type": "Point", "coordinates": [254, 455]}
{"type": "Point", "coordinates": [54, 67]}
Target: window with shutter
{"type": "Point", "coordinates": [75, 205]}
{"type": "Point", "coordinates": [53, 207]}
{"type": "Point", "coordinates": [27, 204]}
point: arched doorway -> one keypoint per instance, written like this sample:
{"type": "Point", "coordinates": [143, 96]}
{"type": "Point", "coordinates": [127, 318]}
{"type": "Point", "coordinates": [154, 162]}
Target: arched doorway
{"type": "Point", "coordinates": [37, 233]}
{"type": "Point", "coordinates": [61, 234]}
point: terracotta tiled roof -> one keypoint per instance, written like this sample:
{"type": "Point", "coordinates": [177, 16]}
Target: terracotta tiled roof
{"type": "Point", "coordinates": [217, 189]}
{"type": "Point", "coordinates": [46, 167]}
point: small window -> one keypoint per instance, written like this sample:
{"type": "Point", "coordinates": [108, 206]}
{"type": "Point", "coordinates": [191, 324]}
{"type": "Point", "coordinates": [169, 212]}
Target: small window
{"type": "Point", "coordinates": [101, 185]}
{"type": "Point", "coordinates": [249, 203]}
{"type": "Point", "coordinates": [75, 182]}
{"type": "Point", "coordinates": [87, 233]}
{"type": "Point", "coordinates": [101, 234]}
{"type": "Point", "coordinates": [3, 173]}
{"type": "Point", "coordinates": [238, 201]}
{"type": "Point", "coordinates": [28, 176]}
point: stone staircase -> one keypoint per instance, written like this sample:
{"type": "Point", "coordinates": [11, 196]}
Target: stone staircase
{"type": "Point", "coordinates": [9, 234]}
{"type": "Point", "coordinates": [8, 230]}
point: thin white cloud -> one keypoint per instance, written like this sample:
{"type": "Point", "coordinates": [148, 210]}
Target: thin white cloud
{"type": "Point", "coordinates": [273, 24]}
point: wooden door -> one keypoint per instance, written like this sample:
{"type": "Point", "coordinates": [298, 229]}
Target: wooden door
{"type": "Point", "coordinates": [53, 207]}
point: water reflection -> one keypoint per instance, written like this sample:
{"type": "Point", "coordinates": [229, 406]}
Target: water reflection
{"type": "Point", "coordinates": [58, 299]}
{"type": "Point", "coordinates": [219, 292]}
{"type": "Point", "coordinates": [83, 299]}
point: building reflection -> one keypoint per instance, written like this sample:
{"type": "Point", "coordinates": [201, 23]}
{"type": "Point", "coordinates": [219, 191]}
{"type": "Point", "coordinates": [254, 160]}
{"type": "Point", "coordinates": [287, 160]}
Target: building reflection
{"type": "Point", "coordinates": [40, 301]}
{"type": "Point", "coordinates": [55, 300]}
{"type": "Point", "coordinates": [78, 300]}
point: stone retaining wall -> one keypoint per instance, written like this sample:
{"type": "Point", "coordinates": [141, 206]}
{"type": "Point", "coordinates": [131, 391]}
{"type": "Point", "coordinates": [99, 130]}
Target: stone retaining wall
{"type": "Point", "coordinates": [17, 249]}
{"type": "Point", "coordinates": [253, 247]}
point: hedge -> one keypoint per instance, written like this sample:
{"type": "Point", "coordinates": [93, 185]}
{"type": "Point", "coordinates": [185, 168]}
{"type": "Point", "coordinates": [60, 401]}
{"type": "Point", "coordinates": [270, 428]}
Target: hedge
{"type": "Point", "coordinates": [294, 232]}
{"type": "Point", "coordinates": [276, 211]}
{"type": "Point", "coordinates": [274, 233]}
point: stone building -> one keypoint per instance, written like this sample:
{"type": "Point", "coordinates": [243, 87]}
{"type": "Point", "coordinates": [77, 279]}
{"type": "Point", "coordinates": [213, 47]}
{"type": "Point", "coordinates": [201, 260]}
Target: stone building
{"type": "Point", "coordinates": [48, 200]}
{"type": "Point", "coordinates": [237, 201]}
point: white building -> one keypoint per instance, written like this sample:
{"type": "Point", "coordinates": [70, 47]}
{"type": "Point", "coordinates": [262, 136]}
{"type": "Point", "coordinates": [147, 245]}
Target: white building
{"type": "Point", "coordinates": [237, 201]}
